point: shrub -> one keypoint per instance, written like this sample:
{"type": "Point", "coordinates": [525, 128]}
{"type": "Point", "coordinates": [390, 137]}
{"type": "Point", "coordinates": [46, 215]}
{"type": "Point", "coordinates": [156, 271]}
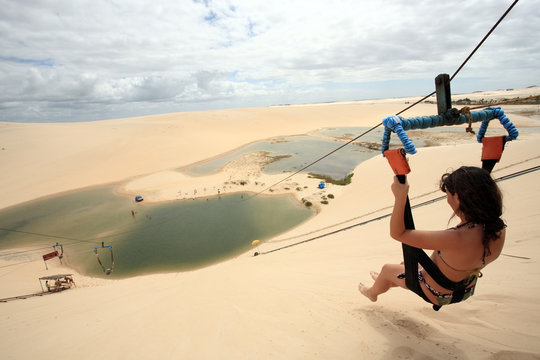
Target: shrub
{"type": "Point", "coordinates": [345, 181]}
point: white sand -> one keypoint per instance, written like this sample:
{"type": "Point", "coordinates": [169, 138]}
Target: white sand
{"type": "Point", "coordinates": [298, 303]}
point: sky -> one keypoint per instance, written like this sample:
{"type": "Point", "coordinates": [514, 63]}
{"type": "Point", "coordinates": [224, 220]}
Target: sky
{"type": "Point", "coordinates": [95, 60]}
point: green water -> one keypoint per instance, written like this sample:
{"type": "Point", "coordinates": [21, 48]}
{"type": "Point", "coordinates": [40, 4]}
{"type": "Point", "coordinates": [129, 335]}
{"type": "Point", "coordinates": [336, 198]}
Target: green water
{"type": "Point", "coordinates": [169, 236]}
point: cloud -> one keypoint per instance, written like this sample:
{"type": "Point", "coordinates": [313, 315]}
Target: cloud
{"type": "Point", "coordinates": [91, 60]}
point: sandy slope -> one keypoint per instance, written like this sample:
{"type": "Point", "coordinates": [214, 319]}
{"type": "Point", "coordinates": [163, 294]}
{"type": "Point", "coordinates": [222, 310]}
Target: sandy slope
{"type": "Point", "coordinates": [296, 303]}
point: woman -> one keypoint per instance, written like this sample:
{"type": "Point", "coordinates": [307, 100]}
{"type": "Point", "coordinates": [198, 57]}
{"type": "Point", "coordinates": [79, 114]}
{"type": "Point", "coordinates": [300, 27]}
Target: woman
{"type": "Point", "coordinates": [459, 252]}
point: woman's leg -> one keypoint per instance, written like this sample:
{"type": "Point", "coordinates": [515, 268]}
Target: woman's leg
{"type": "Point", "coordinates": [385, 280]}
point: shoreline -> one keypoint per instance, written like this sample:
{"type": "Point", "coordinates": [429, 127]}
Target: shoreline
{"type": "Point", "coordinates": [114, 151]}
{"type": "Point", "coordinates": [122, 187]}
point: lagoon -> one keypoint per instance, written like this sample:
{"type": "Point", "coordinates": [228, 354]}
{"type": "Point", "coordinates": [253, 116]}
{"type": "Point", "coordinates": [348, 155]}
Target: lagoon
{"type": "Point", "coordinates": [295, 152]}
{"type": "Point", "coordinates": [160, 237]}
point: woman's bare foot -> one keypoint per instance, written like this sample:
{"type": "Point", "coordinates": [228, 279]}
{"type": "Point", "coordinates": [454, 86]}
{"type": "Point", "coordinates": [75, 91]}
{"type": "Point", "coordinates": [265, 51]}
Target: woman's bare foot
{"type": "Point", "coordinates": [366, 292]}
{"type": "Point", "coordinates": [374, 275]}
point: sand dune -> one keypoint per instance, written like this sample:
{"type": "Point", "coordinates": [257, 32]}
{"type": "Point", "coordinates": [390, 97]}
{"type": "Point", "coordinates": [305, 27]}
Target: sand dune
{"type": "Point", "coordinates": [297, 303]}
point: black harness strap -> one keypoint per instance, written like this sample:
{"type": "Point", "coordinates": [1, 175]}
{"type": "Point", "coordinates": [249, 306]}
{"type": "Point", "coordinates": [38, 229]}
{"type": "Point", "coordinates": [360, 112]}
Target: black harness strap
{"type": "Point", "coordinates": [413, 256]}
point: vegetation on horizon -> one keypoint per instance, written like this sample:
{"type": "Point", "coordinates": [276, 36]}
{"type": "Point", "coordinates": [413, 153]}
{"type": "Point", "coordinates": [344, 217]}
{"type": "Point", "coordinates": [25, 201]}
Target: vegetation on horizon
{"type": "Point", "coordinates": [515, 101]}
{"type": "Point", "coordinates": [345, 181]}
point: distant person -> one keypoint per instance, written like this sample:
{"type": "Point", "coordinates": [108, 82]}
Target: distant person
{"type": "Point", "coordinates": [459, 252]}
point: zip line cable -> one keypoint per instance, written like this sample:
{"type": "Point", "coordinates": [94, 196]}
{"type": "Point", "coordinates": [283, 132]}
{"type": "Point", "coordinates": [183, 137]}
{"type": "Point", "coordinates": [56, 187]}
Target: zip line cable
{"type": "Point", "coordinates": [44, 235]}
{"type": "Point", "coordinates": [402, 111]}
{"type": "Point", "coordinates": [17, 253]}
{"type": "Point", "coordinates": [316, 161]}
{"type": "Point", "coordinates": [485, 37]}
{"type": "Point", "coordinates": [501, 178]}
{"type": "Point", "coordinates": [424, 203]}
{"type": "Point", "coordinates": [506, 102]}
{"type": "Point", "coordinates": [77, 240]}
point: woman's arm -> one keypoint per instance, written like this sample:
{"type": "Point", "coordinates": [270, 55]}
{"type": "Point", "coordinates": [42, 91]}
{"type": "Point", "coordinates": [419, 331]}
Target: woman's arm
{"type": "Point", "coordinates": [397, 222]}
{"type": "Point", "coordinates": [432, 240]}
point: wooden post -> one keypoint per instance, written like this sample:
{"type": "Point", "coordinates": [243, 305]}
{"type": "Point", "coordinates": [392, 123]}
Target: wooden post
{"type": "Point", "coordinates": [442, 88]}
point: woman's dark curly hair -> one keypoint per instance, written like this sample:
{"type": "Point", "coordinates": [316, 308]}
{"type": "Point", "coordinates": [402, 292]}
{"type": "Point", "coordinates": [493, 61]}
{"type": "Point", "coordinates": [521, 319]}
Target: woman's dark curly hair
{"type": "Point", "coordinates": [480, 200]}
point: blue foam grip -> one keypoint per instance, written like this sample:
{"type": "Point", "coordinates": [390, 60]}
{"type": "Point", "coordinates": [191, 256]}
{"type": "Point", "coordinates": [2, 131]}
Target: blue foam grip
{"type": "Point", "coordinates": [394, 123]}
{"type": "Point", "coordinates": [399, 125]}
{"type": "Point", "coordinates": [513, 133]}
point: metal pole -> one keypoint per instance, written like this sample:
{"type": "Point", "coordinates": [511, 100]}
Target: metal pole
{"type": "Point", "coordinates": [442, 89]}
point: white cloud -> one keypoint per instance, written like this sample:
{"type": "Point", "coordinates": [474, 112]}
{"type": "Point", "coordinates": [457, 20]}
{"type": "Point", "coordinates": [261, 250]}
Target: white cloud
{"type": "Point", "coordinates": [90, 60]}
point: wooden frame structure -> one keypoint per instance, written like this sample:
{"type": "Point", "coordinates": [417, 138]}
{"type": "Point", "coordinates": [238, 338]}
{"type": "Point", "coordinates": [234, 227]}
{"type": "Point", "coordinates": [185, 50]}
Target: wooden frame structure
{"type": "Point", "coordinates": [60, 282]}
